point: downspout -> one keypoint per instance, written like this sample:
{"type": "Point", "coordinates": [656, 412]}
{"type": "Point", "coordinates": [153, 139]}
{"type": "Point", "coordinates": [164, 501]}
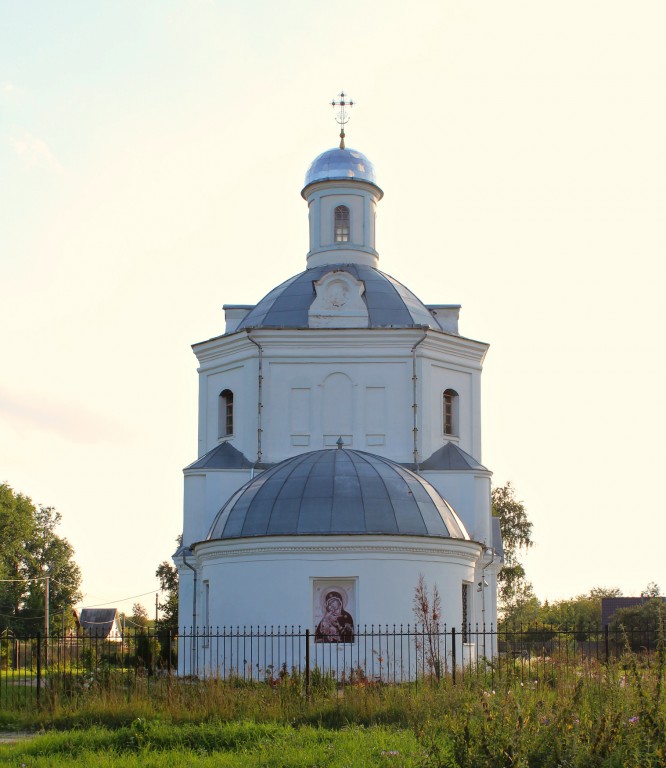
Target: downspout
{"type": "Point", "coordinates": [415, 429]}
{"type": "Point", "coordinates": [483, 587]}
{"type": "Point", "coordinates": [193, 662]}
{"type": "Point", "coordinates": [260, 387]}
{"type": "Point", "coordinates": [194, 601]}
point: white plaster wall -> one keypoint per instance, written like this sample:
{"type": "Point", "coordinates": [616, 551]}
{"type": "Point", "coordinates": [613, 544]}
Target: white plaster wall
{"type": "Point", "coordinates": [206, 492]}
{"type": "Point", "coordinates": [254, 591]}
{"type": "Point", "coordinates": [468, 492]}
{"type": "Point", "coordinates": [437, 377]}
{"type": "Point", "coordinates": [185, 593]}
{"type": "Point", "coordinates": [194, 507]}
{"type": "Point", "coordinates": [240, 378]}
{"type": "Point", "coordinates": [329, 203]}
{"type": "Point", "coordinates": [361, 200]}
{"type": "Point", "coordinates": [275, 588]}
{"type": "Point", "coordinates": [309, 404]}
{"type": "Point", "coordinates": [304, 359]}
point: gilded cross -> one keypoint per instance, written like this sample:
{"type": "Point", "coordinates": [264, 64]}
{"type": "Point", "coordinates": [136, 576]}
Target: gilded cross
{"type": "Point", "coordinates": [344, 103]}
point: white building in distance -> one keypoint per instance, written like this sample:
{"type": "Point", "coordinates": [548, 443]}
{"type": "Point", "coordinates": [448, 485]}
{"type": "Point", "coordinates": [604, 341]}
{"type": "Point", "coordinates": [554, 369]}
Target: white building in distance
{"type": "Point", "coordinates": [339, 446]}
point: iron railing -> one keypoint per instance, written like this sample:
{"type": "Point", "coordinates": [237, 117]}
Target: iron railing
{"type": "Point", "coordinates": [143, 662]}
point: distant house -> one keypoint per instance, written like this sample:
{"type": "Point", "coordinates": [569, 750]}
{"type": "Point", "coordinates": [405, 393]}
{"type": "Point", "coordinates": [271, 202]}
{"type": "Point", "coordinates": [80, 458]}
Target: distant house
{"type": "Point", "coordinates": [100, 623]}
{"type": "Point", "coordinates": [610, 605]}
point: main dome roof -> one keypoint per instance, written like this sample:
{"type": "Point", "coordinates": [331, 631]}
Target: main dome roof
{"type": "Point", "coordinates": [334, 491]}
{"type": "Point", "coordinates": [390, 304]}
{"type": "Point", "coordinates": [340, 164]}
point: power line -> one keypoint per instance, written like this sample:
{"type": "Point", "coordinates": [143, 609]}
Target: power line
{"type": "Point", "coordinates": [25, 581]}
{"type": "Point", "coordinates": [122, 599]}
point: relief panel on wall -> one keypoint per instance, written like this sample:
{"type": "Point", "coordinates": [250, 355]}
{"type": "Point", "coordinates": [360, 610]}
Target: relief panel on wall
{"type": "Point", "coordinates": [299, 415]}
{"type": "Point", "coordinates": [338, 407]}
{"type": "Point", "coordinates": [375, 415]}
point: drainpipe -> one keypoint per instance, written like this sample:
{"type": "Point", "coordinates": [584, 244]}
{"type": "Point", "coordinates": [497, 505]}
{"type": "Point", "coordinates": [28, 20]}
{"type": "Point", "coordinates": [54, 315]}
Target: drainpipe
{"type": "Point", "coordinates": [415, 429]}
{"type": "Point", "coordinates": [194, 601]}
{"type": "Point", "coordinates": [260, 387]}
{"type": "Point", "coordinates": [483, 586]}
{"type": "Point", "coordinates": [194, 662]}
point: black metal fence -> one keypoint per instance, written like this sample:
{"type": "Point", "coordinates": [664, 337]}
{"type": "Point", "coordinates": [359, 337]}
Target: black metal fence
{"type": "Point", "coordinates": [35, 669]}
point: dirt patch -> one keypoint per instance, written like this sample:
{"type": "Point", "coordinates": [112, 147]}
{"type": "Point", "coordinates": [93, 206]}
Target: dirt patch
{"type": "Point", "coordinates": [13, 737]}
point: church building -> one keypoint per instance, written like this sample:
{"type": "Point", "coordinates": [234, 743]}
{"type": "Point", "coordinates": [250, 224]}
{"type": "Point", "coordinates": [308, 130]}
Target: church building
{"type": "Point", "coordinates": [339, 456]}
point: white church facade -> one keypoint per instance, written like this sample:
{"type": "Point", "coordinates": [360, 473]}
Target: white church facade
{"type": "Point", "coordinates": [339, 453]}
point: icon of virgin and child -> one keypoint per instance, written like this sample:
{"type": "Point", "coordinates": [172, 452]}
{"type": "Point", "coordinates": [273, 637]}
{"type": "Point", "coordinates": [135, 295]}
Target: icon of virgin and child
{"type": "Point", "coordinates": [336, 625]}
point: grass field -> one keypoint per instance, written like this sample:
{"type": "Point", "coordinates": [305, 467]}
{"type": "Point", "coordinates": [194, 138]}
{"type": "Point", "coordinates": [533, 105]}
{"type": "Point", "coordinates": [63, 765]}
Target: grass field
{"type": "Point", "coordinates": [613, 718]}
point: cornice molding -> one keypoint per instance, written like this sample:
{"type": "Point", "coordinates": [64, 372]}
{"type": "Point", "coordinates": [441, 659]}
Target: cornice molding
{"type": "Point", "coordinates": [220, 549]}
{"type": "Point", "coordinates": [364, 342]}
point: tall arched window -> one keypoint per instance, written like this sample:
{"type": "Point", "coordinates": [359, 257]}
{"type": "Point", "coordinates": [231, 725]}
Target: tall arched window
{"type": "Point", "coordinates": [450, 411]}
{"type": "Point", "coordinates": [342, 224]}
{"type": "Point", "coordinates": [226, 413]}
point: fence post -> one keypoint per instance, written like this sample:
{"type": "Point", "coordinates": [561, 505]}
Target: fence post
{"type": "Point", "coordinates": [39, 666]}
{"type": "Point", "coordinates": [307, 665]}
{"type": "Point", "coordinates": [607, 643]}
{"type": "Point", "coordinates": [453, 652]}
{"type": "Point", "coordinates": [169, 666]}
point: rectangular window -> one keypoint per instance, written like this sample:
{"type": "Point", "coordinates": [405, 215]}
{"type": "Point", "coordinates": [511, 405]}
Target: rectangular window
{"type": "Point", "coordinates": [229, 418]}
{"type": "Point", "coordinates": [342, 224]}
{"type": "Point", "coordinates": [448, 415]}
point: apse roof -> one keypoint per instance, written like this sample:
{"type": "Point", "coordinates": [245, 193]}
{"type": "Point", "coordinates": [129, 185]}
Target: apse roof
{"type": "Point", "coordinates": [390, 304]}
{"type": "Point", "coordinates": [337, 491]}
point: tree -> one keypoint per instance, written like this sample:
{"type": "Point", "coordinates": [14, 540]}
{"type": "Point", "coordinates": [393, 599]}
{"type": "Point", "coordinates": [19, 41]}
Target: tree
{"type": "Point", "coordinates": [31, 550]}
{"type": "Point", "coordinates": [652, 590]}
{"type": "Point", "coordinates": [516, 529]}
{"type": "Point", "coordinates": [168, 576]}
{"type": "Point", "coordinates": [428, 611]}
{"type": "Point", "coordinates": [139, 616]}
{"type": "Point", "coordinates": [642, 625]}
{"type": "Point", "coordinates": [581, 613]}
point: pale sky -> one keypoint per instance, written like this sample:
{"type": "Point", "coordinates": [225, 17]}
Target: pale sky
{"type": "Point", "coordinates": [151, 159]}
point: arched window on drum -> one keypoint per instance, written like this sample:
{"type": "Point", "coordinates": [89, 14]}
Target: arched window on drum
{"type": "Point", "coordinates": [450, 412]}
{"type": "Point", "coordinates": [342, 224]}
{"type": "Point", "coordinates": [226, 413]}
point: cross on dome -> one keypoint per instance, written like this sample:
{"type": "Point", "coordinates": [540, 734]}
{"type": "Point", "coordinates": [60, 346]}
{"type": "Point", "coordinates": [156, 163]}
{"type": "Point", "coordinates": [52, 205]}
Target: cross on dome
{"type": "Point", "coordinates": [343, 101]}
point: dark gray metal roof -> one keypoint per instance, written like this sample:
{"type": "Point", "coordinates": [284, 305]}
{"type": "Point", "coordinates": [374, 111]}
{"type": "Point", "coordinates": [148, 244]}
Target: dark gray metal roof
{"type": "Point", "coordinates": [610, 605]}
{"type": "Point", "coordinates": [498, 542]}
{"type": "Point", "coordinates": [389, 303]}
{"type": "Point", "coordinates": [450, 456]}
{"type": "Point", "coordinates": [337, 491]}
{"type": "Point", "coordinates": [98, 622]}
{"type": "Point", "coordinates": [223, 456]}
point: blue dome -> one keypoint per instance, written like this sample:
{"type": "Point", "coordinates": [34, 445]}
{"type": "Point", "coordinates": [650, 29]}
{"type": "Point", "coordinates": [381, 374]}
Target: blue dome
{"type": "Point", "coordinates": [337, 491]}
{"type": "Point", "coordinates": [340, 164]}
{"type": "Point", "coordinates": [389, 303]}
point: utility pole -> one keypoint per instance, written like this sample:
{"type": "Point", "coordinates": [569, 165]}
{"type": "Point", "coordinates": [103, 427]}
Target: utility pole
{"type": "Point", "coordinates": [156, 610]}
{"type": "Point", "coordinates": [47, 618]}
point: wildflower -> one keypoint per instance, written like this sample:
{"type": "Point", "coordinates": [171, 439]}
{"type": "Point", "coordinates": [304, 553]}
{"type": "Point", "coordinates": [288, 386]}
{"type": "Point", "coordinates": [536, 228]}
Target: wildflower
{"type": "Point", "coordinates": [485, 693]}
{"type": "Point", "coordinates": [633, 720]}
{"type": "Point", "coordinates": [390, 753]}
{"type": "Point", "coordinates": [544, 721]}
